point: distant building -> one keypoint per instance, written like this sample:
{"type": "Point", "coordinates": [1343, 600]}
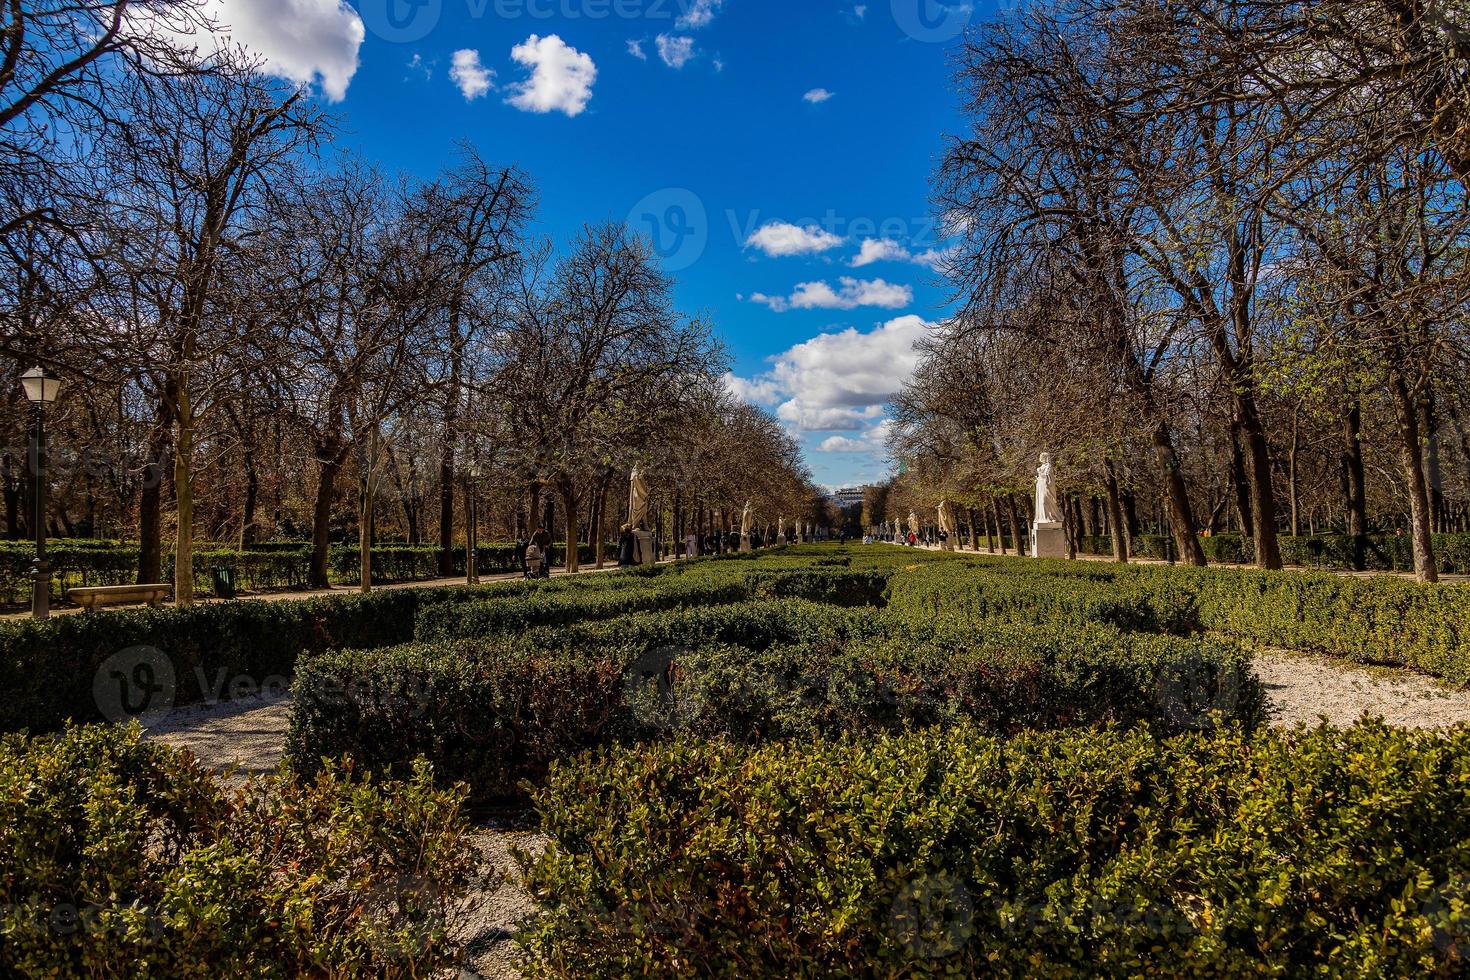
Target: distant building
{"type": "Point", "coordinates": [849, 497]}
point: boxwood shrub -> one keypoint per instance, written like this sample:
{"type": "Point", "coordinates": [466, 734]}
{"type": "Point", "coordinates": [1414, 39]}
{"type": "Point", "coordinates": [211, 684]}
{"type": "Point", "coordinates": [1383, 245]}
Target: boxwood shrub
{"type": "Point", "coordinates": [497, 710]}
{"type": "Point", "coordinates": [953, 853]}
{"type": "Point", "coordinates": [53, 664]}
{"type": "Point", "coordinates": [124, 858]}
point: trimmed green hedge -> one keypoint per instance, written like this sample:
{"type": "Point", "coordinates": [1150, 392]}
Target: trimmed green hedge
{"type": "Point", "coordinates": [1388, 621]}
{"type": "Point", "coordinates": [552, 608]}
{"type": "Point", "coordinates": [55, 664]}
{"type": "Point", "coordinates": [1329, 852]}
{"type": "Point", "coordinates": [124, 858]}
{"type": "Point", "coordinates": [1334, 552]}
{"type": "Point", "coordinates": [498, 710]}
{"type": "Point", "coordinates": [269, 565]}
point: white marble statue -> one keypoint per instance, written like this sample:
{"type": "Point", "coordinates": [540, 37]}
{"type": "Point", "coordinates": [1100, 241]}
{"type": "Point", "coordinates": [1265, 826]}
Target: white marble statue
{"type": "Point", "coordinates": [781, 530]}
{"type": "Point", "coordinates": [745, 527]}
{"type": "Point", "coordinates": [1048, 510]}
{"type": "Point", "coordinates": [914, 524]}
{"type": "Point", "coordinates": [946, 526]}
{"type": "Point", "coordinates": [637, 499]}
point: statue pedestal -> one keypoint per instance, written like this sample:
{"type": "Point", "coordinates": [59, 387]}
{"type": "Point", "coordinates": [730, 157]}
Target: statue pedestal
{"type": "Point", "coordinates": [643, 553]}
{"type": "Point", "coordinates": [1048, 540]}
{"type": "Point", "coordinates": [745, 544]}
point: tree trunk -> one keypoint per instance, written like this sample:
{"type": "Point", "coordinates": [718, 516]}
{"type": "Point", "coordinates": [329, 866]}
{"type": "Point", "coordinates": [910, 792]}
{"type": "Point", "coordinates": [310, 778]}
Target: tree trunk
{"type": "Point", "coordinates": [1018, 540]}
{"type": "Point", "coordinates": [1354, 483]}
{"type": "Point", "coordinates": [1429, 432]}
{"type": "Point", "coordinates": [366, 531]}
{"type": "Point", "coordinates": [569, 517]}
{"type": "Point", "coordinates": [1240, 483]}
{"type": "Point", "coordinates": [330, 460]}
{"type": "Point", "coordinates": [1176, 499]}
{"type": "Point", "coordinates": [252, 495]}
{"type": "Point", "coordinates": [599, 527]}
{"type": "Point", "coordinates": [150, 511]}
{"type": "Point", "coordinates": [1115, 515]}
{"type": "Point", "coordinates": [184, 494]}
{"type": "Point", "coordinates": [1263, 495]}
{"type": "Point", "coordinates": [1412, 454]}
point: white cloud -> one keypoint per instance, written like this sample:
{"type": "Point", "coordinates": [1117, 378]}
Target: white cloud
{"type": "Point", "coordinates": [753, 391]}
{"type": "Point", "coordinates": [817, 96]}
{"type": "Point", "coordinates": [561, 76]}
{"type": "Point", "coordinates": [879, 250]}
{"type": "Point", "coordinates": [860, 11]}
{"type": "Point", "coordinates": [849, 295]}
{"type": "Point", "coordinates": [887, 250]}
{"type": "Point", "coordinates": [872, 440]}
{"type": "Point", "coordinates": [635, 48]}
{"type": "Point", "coordinates": [417, 65]}
{"type": "Point", "coordinates": [779, 239]}
{"type": "Point", "coordinates": [675, 51]}
{"type": "Point", "coordinates": [309, 42]}
{"type": "Point", "coordinates": [697, 14]}
{"type": "Point", "coordinates": [840, 382]}
{"type": "Point", "coordinates": [473, 78]}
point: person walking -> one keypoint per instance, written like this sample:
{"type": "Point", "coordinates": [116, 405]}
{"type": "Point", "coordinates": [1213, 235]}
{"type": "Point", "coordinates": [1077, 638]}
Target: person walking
{"type": "Point", "coordinates": [626, 546]}
{"type": "Point", "coordinates": [691, 545]}
{"type": "Point", "coordinates": [542, 540]}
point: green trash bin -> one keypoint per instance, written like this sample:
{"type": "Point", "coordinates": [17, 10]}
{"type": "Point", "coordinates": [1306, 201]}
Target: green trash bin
{"type": "Point", "coordinates": [224, 581]}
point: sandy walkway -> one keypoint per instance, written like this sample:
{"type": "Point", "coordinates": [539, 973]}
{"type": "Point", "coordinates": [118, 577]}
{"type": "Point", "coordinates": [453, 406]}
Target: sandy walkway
{"type": "Point", "coordinates": [1303, 688]}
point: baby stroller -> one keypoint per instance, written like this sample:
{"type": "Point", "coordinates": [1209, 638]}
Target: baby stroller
{"type": "Point", "coordinates": [536, 566]}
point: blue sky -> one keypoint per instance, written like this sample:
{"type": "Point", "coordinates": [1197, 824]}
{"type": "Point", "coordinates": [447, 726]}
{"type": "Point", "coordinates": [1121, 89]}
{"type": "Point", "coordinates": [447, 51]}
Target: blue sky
{"type": "Point", "coordinates": [778, 153]}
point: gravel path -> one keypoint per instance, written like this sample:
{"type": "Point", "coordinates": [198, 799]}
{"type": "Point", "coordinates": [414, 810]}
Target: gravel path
{"type": "Point", "coordinates": [1304, 689]}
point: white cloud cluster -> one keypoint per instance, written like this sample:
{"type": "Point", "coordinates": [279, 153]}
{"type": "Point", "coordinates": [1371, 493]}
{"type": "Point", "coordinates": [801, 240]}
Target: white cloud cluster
{"type": "Point", "coordinates": [698, 14]}
{"type": "Point", "coordinates": [779, 239]}
{"type": "Point", "coordinates": [561, 76]}
{"type": "Point", "coordinates": [849, 295]}
{"type": "Point", "coordinates": [873, 440]}
{"type": "Point", "coordinates": [675, 51]}
{"type": "Point", "coordinates": [473, 78]}
{"type": "Point", "coordinates": [839, 382]}
{"type": "Point", "coordinates": [308, 42]}
{"type": "Point", "coordinates": [635, 48]}
{"type": "Point", "coordinates": [887, 250]}
{"type": "Point", "coordinates": [817, 96]}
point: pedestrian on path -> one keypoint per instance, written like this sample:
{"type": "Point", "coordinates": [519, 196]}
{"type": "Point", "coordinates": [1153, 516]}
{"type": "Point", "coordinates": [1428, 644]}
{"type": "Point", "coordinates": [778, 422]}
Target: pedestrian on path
{"type": "Point", "coordinates": [626, 543]}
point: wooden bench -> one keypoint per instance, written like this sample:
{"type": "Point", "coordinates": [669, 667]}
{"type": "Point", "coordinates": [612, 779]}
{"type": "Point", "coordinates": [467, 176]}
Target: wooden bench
{"type": "Point", "coordinates": [114, 595]}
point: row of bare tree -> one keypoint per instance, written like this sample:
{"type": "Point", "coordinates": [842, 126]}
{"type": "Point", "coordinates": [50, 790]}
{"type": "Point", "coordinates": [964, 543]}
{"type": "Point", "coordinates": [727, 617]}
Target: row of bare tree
{"type": "Point", "coordinates": [264, 334]}
{"type": "Point", "coordinates": [1213, 253]}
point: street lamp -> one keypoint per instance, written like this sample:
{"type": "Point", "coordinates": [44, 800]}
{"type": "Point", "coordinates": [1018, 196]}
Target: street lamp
{"type": "Point", "coordinates": [41, 388]}
{"type": "Point", "coordinates": [471, 523]}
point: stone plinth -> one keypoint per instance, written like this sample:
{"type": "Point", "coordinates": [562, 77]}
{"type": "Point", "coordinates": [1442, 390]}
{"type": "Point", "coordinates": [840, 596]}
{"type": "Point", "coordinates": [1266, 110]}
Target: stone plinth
{"type": "Point", "coordinates": [643, 553]}
{"type": "Point", "coordinates": [1048, 540]}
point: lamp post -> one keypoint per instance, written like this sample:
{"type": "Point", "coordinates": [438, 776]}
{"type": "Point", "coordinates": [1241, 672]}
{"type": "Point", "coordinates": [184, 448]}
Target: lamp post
{"type": "Point", "coordinates": [471, 524]}
{"type": "Point", "coordinates": [41, 387]}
